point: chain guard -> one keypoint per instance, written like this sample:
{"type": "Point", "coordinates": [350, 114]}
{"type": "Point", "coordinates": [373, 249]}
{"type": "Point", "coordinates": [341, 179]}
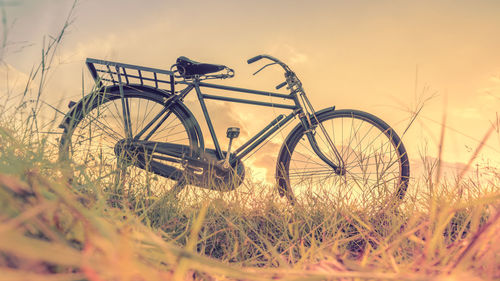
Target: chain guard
{"type": "Point", "coordinates": [204, 171]}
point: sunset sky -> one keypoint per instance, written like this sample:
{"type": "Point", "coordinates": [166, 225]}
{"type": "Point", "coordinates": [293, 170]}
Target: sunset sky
{"type": "Point", "coordinates": [383, 57]}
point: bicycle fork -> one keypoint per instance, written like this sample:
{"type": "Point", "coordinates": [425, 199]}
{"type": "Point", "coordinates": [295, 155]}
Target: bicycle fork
{"type": "Point", "coordinates": [338, 169]}
{"type": "Point", "coordinates": [305, 119]}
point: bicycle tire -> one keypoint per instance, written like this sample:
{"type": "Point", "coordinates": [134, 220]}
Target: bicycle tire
{"type": "Point", "coordinates": [376, 162]}
{"type": "Point", "coordinates": [94, 126]}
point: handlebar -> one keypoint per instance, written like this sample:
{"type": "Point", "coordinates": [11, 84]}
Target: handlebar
{"type": "Point", "coordinates": [254, 59]}
{"type": "Point", "coordinates": [291, 79]}
{"type": "Point", "coordinates": [275, 60]}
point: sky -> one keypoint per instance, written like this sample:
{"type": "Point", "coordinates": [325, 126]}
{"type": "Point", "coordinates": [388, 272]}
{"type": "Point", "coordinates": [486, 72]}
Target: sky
{"type": "Point", "coordinates": [383, 57]}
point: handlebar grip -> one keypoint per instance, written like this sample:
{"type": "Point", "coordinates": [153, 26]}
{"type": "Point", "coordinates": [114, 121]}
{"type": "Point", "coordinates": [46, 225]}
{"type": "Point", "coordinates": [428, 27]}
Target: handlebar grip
{"type": "Point", "coordinates": [254, 59]}
{"type": "Point", "coordinates": [280, 85]}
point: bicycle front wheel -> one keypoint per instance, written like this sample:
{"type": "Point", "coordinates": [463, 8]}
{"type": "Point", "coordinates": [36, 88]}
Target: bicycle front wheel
{"type": "Point", "coordinates": [375, 161]}
{"type": "Point", "coordinates": [96, 130]}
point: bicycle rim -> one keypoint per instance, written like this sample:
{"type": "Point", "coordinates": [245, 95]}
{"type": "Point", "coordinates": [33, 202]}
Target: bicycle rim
{"type": "Point", "coordinates": [89, 143]}
{"type": "Point", "coordinates": [375, 161]}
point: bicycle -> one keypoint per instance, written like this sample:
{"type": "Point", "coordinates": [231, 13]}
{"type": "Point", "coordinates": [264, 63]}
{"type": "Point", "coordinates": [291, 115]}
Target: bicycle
{"type": "Point", "coordinates": [136, 118]}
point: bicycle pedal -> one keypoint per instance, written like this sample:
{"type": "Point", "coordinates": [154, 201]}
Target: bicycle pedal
{"type": "Point", "coordinates": [233, 132]}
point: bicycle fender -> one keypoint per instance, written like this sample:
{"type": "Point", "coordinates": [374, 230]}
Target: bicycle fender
{"type": "Point", "coordinates": [77, 107]}
{"type": "Point", "coordinates": [282, 186]}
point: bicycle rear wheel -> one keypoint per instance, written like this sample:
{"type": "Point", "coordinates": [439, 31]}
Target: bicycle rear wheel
{"type": "Point", "coordinates": [375, 161]}
{"type": "Point", "coordinates": [95, 127]}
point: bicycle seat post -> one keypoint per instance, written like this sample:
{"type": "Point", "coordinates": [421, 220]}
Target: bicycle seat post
{"type": "Point", "coordinates": [232, 133]}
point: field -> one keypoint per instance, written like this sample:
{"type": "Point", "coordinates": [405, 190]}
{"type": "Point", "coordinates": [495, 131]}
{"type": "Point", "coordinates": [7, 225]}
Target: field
{"type": "Point", "coordinates": [55, 227]}
{"type": "Point", "coordinates": [56, 230]}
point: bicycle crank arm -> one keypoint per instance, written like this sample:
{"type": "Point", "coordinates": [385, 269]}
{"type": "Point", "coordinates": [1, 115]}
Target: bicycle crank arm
{"type": "Point", "coordinates": [337, 169]}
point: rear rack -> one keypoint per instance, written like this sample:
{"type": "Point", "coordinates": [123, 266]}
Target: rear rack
{"type": "Point", "coordinates": [107, 73]}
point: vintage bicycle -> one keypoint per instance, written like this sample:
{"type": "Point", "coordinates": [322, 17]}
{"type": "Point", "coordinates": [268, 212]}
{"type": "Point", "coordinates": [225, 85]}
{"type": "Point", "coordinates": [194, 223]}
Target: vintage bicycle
{"type": "Point", "coordinates": [136, 118]}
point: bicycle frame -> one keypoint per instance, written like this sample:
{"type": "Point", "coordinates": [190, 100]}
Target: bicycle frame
{"type": "Point", "coordinates": [262, 135]}
{"type": "Point", "coordinates": [196, 83]}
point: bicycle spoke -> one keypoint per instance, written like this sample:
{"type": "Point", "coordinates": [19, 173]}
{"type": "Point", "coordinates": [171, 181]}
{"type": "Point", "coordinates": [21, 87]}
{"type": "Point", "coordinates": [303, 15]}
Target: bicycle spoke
{"type": "Point", "coordinates": [91, 142]}
{"type": "Point", "coordinates": [371, 160]}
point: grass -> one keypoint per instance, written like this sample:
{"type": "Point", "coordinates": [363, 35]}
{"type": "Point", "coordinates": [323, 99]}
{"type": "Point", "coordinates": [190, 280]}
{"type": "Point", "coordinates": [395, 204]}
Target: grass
{"type": "Point", "coordinates": [92, 232]}
{"type": "Point", "coordinates": [52, 228]}
{"type": "Point", "coordinates": [51, 231]}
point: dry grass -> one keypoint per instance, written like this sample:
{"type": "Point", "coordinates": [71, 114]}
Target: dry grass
{"type": "Point", "coordinates": [51, 231]}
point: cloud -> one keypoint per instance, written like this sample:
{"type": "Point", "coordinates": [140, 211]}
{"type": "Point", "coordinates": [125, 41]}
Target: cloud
{"type": "Point", "coordinates": [265, 161]}
{"type": "Point", "coordinates": [296, 57]}
{"type": "Point", "coordinates": [12, 81]}
{"type": "Point", "coordinates": [495, 78]}
{"type": "Point", "coordinates": [104, 47]}
{"type": "Point", "coordinates": [289, 54]}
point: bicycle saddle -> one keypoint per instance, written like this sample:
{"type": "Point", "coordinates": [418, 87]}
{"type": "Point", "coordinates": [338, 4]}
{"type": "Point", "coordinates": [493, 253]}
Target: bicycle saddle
{"type": "Point", "coordinates": [189, 67]}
